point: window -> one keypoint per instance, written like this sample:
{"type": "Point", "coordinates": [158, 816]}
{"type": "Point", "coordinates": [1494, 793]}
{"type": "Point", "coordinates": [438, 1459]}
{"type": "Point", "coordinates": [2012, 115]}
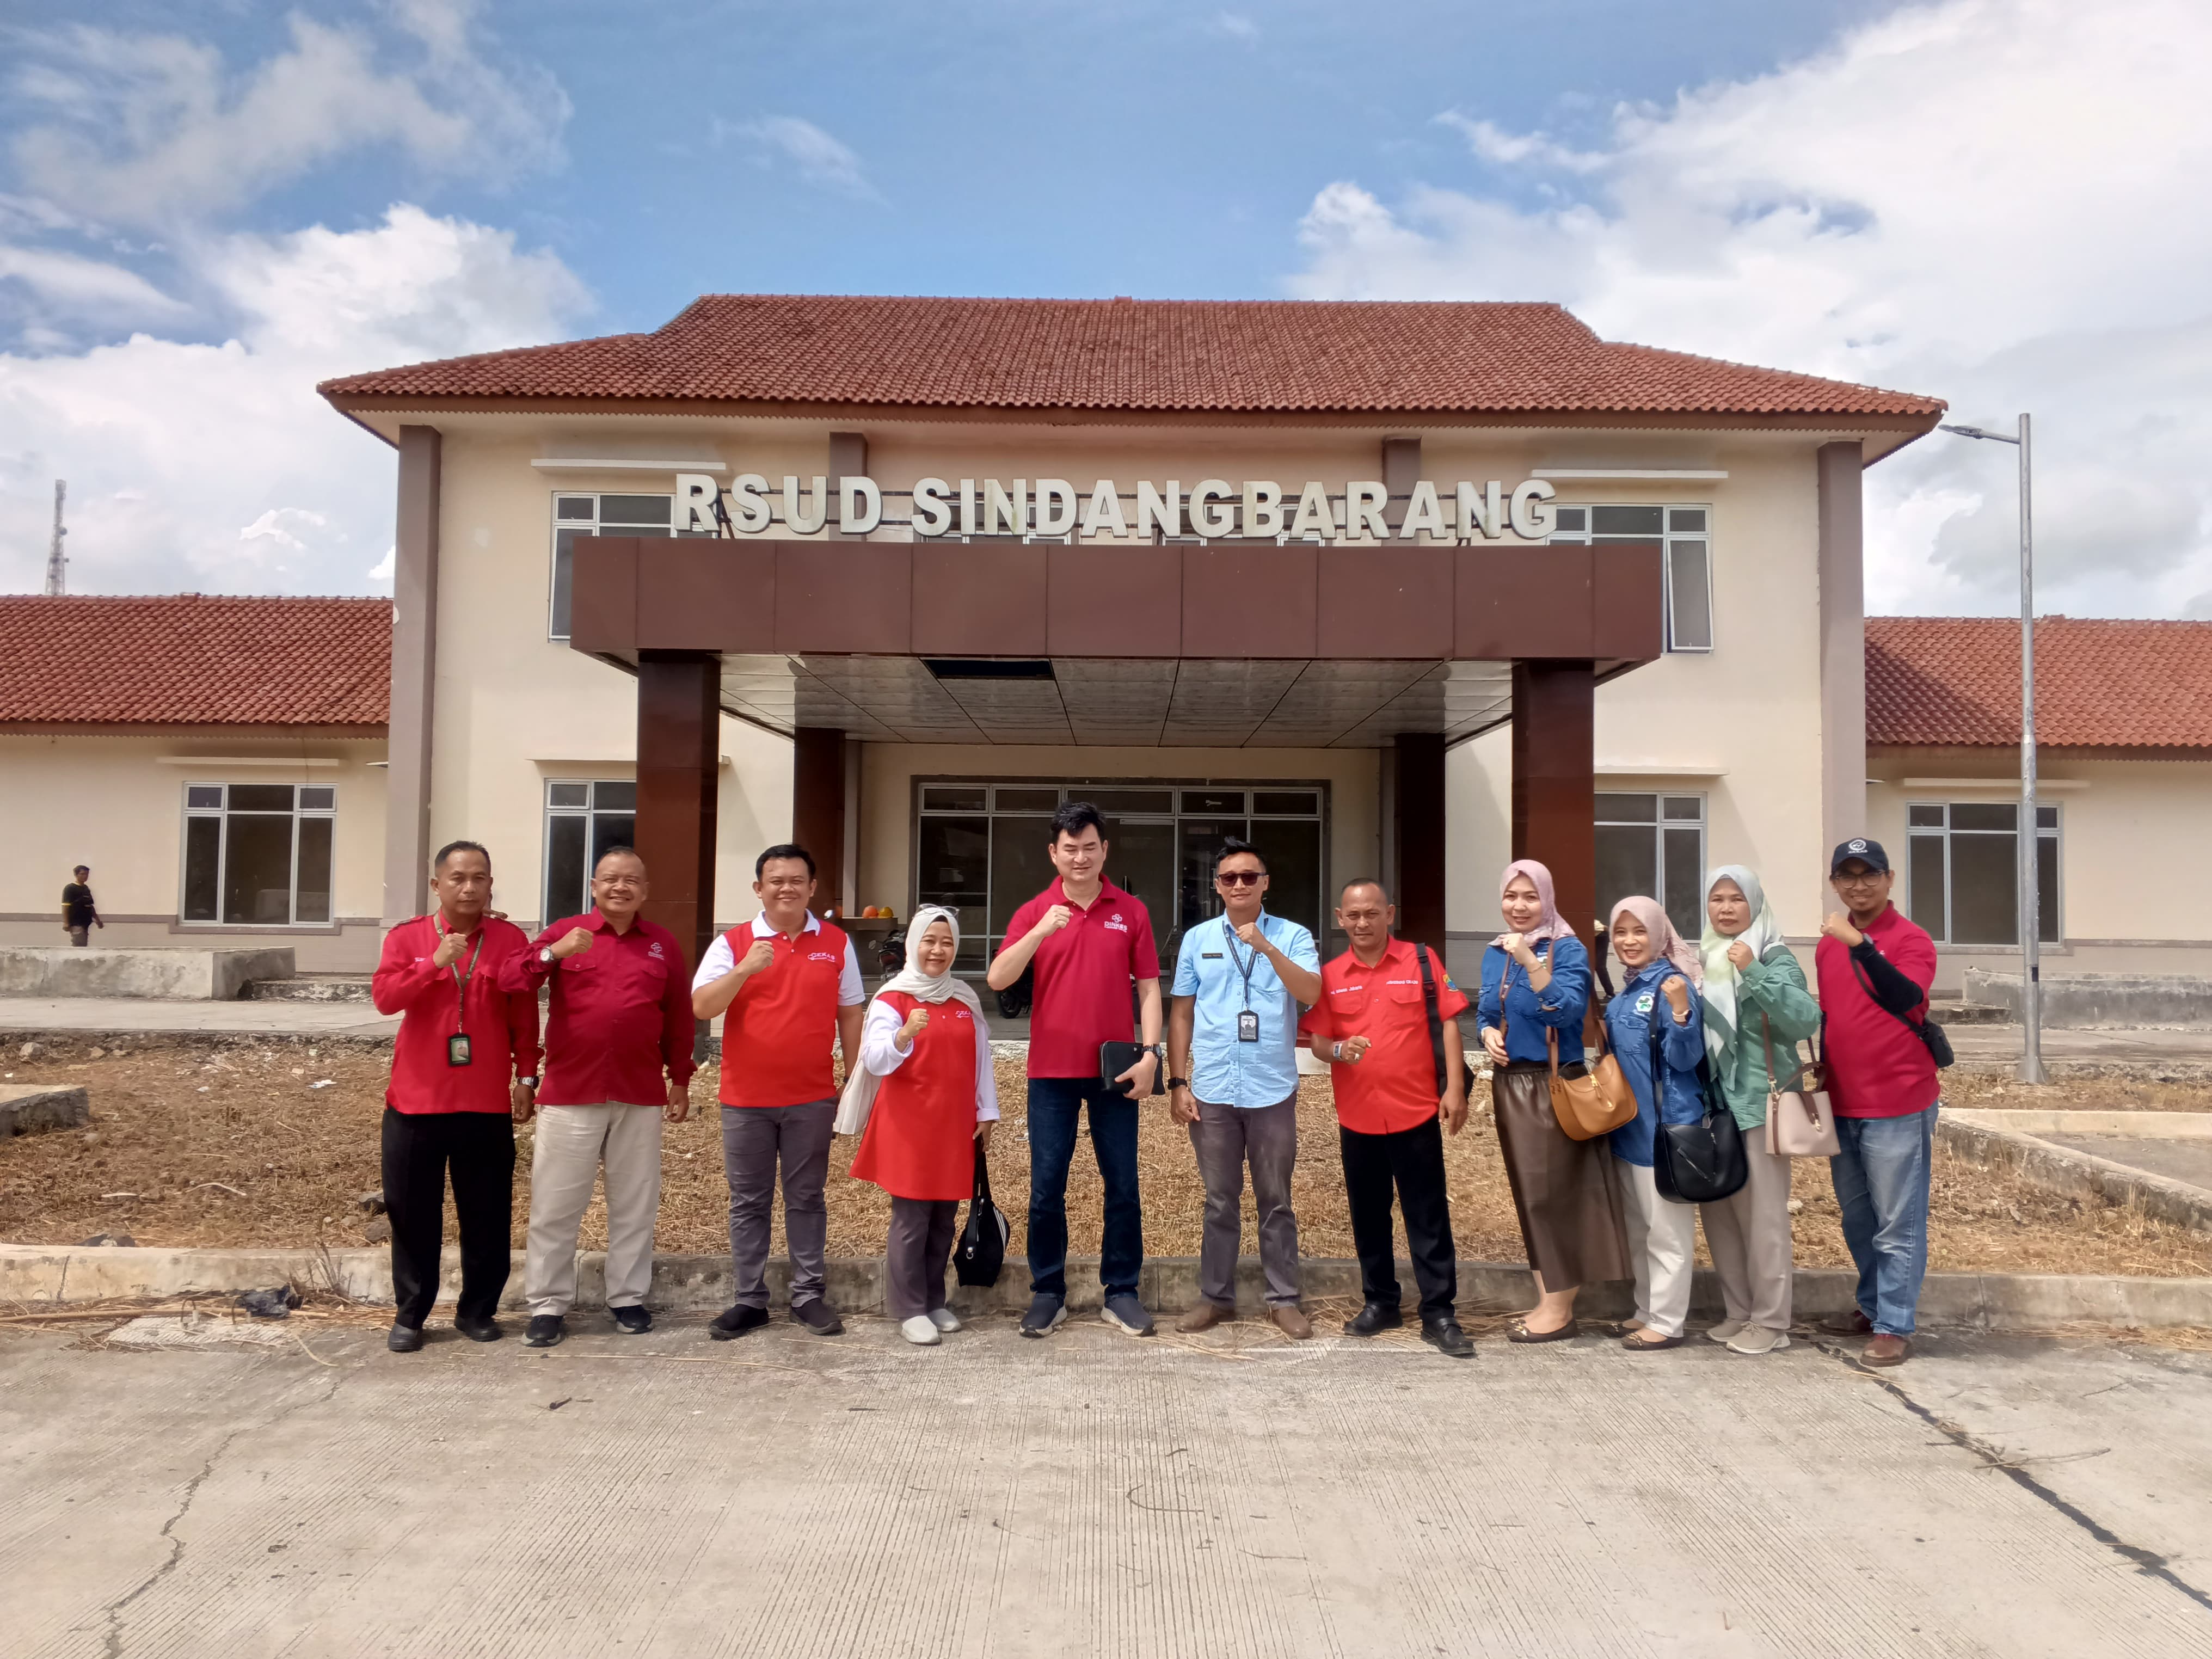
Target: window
{"type": "Point", "coordinates": [1653, 845]}
{"type": "Point", "coordinates": [599, 515]}
{"type": "Point", "coordinates": [582, 820]}
{"type": "Point", "coordinates": [1684, 533]}
{"type": "Point", "coordinates": [1963, 872]}
{"type": "Point", "coordinates": [257, 854]}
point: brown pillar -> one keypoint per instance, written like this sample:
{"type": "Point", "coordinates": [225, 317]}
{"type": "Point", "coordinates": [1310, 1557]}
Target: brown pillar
{"type": "Point", "coordinates": [1418, 816]}
{"type": "Point", "coordinates": [414, 658]}
{"type": "Point", "coordinates": [678, 764]}
{"type": "Point", "coordinates": [818, 804]}
{"type": "Point", "coordinates": [1554, 782]}
{"type": "Point", "coordinates": [1842, 644]}
{"type": "Point", "coordinates": [1401, 471]}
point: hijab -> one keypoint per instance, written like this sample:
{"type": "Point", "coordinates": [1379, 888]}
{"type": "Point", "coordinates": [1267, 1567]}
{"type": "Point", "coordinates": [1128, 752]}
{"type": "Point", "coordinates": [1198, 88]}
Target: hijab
{"type": "Point", "coordinates": [1548, 925]}
{"type": "Point", "coordinates": [861, 1084]}
{"type": "Point", "coordinates": [1763, 933]}
{"type": "Point", "coordinates": [1667, 945]}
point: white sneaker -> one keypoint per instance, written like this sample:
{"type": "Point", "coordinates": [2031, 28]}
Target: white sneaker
{"type": "Point", "coordinates": [945, 1319]}
{"type": "Point", "coordinates": [1757, 1339]}
{"type": "Point", "coordinates": [920, 1330]}
{"type": "Point", "coordinates": [1725, 1331]}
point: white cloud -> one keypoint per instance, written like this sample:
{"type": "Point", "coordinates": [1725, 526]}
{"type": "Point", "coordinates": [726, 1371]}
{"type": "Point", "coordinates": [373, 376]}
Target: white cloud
{"type": "Point", "coordinates": [819, 158]}
{"type": "Point", "coordinates": [86, 287]}
{"type": "Point", "coordinates": [1988, 200]}
{"type": "Point", "coordinates": [1236, 26]}
{"type": "Point", "coordinates": [170, 447]}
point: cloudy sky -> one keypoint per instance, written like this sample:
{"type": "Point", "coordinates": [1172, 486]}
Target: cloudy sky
{"type": "Point", "coordinates": [206, 208]}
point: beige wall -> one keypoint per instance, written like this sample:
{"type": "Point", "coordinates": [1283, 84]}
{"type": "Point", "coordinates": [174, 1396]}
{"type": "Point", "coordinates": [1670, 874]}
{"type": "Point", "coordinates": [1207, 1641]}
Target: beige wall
{"type": "Point", "coordinates": [116, 803]}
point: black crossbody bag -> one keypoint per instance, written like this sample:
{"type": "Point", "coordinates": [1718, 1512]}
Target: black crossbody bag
{"type": "Point", "coordinates": [1699, 1163]}
{"type": "Point", "coordinates": [1933, 1037]}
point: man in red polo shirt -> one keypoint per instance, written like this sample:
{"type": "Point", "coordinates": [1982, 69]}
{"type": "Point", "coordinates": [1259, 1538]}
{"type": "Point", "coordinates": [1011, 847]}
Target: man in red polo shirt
{"type": "Point", "coordinates": [620, 1018]}
{"type": "Point", "coordinates": [790, 983]}
{"type": "Point", "coordinates": [465, 1058]}
{"type": "Point", "coordinates": [1372, 1027]}
{"type": "Point", "coordinates": [1089, 941]}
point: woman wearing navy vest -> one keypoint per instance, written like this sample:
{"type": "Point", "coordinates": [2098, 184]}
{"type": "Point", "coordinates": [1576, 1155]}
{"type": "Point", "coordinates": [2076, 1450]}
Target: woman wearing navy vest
{"type": "Point", "coordinates": [925, 1091]}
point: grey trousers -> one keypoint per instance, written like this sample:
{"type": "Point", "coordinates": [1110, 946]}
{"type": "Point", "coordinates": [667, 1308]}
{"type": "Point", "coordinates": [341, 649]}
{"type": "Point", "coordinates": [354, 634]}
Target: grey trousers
{"type": "Point", "coordinates": [916, 1252]}
{"type": "Point", "coordinates": [753, 1139]}
{"type": "Point", "coordinates": [1749, 1232]}
{"type": "Point", "coordinates": [1226, 1139]}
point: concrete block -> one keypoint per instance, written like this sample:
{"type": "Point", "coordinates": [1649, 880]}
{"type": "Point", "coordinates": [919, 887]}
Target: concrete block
{"type": "Point", "coordinates": [2139, 1126]}
{"type": "Point", "coordinates": [2084, 1001]}
{"type": "Point", "coordinates": [27, 1108]}
{"type": "Point", "coordinates": [2077, 1174]}
{"type": "Point", "coordinates": [169, 972]}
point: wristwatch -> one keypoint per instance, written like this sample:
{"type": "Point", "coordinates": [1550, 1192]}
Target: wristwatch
{"type": "Point", "coordinates": [545, 955]}
{"type": "Point", "coordinates": [529, 1083]}
{"type": "Point", "coordinates": [1178, 1083]}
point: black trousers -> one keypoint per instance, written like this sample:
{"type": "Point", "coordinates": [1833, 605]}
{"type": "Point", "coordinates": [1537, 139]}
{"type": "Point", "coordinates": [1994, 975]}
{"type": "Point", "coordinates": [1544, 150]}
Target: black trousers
{"type": "Point", "coordinates": [1413, 1160]}
{"type": "Point", "coordinates": [418, 1148]}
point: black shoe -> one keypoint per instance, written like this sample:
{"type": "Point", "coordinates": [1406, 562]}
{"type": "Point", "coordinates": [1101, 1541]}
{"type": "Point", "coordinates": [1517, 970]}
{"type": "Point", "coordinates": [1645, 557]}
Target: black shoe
{"type": "Point", "coordinates": [1445, 1336]}
{"type": "Point", "coordinates": [545, 1331]}
{"type": "Point", "coordinates": [1046, 1314]}
{"type": "Point", "coordinates": [1372, 1318]}
{"type": "Point", "coordinates": [404, 1339]}
{"type": "Point", "coordinates": [819, 1317]}
{"type": "Point", "coordinates": [634, 1320]}
{"type": "Point", "coordinates": [479, 1330]}
{"type": "Point", "coordinates": [733, 1322]}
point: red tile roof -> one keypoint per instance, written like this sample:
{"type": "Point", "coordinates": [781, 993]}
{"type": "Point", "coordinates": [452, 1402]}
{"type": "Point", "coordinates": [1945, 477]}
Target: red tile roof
{"type": "Point", "coordinates": [195, 659]}
{"type": "Point", "coordinates": [1236, 356]}
{"type": "Point", "coordinates": [1954, 681]}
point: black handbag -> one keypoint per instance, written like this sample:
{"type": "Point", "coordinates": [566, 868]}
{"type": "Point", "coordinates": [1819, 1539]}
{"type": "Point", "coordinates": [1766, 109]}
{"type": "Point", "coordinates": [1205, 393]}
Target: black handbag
{"type": "Point", "coordinates": [1437, 1031]}
{"type": "Point", "coordinates": [1699, 1163]}
{"type": "Point", "coordinates": [1933, 1037]}
{"type": "Point", "coordinates": [981, 1251]}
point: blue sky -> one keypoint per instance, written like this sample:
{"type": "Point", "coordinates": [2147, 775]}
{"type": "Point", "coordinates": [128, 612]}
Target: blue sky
{"type": "Point", "coordinates": [204, 208]}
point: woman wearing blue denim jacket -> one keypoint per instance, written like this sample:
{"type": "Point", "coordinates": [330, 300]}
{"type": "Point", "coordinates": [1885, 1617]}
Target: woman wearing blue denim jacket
{"type": "Point", "coordinates": [1661, 989]}
{"type": "Point", "coordinates": [1535, 988]}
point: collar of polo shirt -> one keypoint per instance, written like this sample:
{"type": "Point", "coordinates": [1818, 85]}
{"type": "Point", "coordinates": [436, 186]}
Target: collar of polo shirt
{"type": "Point", "coordinates": [764, 928]}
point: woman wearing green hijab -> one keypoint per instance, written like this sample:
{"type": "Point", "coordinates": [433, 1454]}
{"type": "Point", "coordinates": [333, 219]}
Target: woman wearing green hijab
{"type": "Point", "coordinates": [1757, 1009]}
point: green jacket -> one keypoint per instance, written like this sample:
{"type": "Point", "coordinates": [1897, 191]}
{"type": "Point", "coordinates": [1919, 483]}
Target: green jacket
{"type": "Point", "coordinates": [1774, 986]}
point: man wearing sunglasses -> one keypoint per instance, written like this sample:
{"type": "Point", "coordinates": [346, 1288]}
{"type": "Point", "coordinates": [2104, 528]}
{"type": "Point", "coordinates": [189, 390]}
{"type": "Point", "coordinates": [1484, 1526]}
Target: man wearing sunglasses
{"type": "Point", "coordinates": [1233, 1077]}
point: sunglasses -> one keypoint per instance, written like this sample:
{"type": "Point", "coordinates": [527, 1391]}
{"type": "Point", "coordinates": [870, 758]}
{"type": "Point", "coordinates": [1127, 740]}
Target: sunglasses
{"type": "Point", "coordinates": [1240, 877]}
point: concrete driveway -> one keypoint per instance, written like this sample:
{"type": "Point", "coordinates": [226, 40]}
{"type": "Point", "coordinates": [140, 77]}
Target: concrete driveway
{"type": "Point", "coordinates": [1095, 1495]}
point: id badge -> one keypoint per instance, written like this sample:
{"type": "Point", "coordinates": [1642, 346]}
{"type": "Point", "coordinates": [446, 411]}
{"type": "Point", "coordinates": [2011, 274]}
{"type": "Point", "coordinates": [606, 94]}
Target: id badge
{"type": "Point", "coordinates": [456, 1048]}
{"type": "Point", "coordinates": [1247, 1026]}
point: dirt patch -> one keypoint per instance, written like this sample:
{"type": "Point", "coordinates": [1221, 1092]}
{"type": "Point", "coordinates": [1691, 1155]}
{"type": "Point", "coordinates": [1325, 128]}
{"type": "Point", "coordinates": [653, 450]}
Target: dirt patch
{"type": "Point", "coordinates": [1995, 1091]}
{"type": "Point", "coordinates": [268, 1143]}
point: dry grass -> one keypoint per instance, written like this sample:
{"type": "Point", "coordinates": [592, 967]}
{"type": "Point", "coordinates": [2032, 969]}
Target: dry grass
{"type": "Point", "coordinates": [230, 1143]}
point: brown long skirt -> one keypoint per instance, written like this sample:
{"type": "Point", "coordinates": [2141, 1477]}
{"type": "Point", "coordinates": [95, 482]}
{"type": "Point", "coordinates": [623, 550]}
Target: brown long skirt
{"type": "Point", "coordinates": [1563, 1189]}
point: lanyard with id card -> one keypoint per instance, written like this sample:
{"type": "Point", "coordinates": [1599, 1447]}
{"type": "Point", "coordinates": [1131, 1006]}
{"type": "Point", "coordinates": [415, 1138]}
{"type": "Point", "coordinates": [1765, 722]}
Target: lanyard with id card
{"type": "Point", "coordinates": [457, 1045]}
{"type": "Point", "coordinates": [1247, 1020]}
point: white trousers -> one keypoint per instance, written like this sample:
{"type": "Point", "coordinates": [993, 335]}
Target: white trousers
{"type": "Point", "coordinates": [572, 1145]}
{"type": "Point", "coordinates": [1662, 1241]}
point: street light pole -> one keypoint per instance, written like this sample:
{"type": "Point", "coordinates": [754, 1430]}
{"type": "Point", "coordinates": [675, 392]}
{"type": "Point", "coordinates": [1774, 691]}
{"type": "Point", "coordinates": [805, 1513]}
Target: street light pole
{"type": "Point", "coordinates": [2029, 841]}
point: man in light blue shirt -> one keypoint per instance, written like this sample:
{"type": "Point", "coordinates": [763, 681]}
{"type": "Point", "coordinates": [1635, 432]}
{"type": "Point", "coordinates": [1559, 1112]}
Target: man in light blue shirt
{"type": "Point", "coordinates": [1233, 1077]}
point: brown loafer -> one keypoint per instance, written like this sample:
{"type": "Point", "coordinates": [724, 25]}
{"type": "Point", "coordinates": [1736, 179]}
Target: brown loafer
{"type": "Point", "coordinates": [1566, 1333]}
{"type": "Point", "coordinates": [1853, 1323]}
{"type": "Point", "coordinates": [1885, 1350]}
{"type": "Point", "coordinates": [1204, 1316]}
{"type": "Point", "coordinates": [1290, 1322]}
{"type": "Point", "coordinates": [1642, 1342]}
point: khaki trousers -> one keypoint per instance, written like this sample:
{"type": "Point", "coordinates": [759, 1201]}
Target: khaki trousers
{"type": "Point", "coordinates": [1748, 1233]}
{"type": "Point", "coordinates": [1662, 1242]}
{"type": "Point", "coordinates": [572, 1144]}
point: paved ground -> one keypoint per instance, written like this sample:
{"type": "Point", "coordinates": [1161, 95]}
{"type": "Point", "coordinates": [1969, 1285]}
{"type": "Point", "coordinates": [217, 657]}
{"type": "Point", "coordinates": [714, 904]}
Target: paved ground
{"type": "Point", "coordinates": [1092, 1495]}
{"type": "Point", "coordinates": [1993, 1045]}
{"type": "Point", "coordinates": [2177, 1160]}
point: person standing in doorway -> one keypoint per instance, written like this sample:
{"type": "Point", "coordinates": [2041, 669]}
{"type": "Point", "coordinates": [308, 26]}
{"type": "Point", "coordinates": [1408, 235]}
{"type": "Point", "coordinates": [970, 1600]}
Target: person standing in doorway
{"type": "Point", "coordinates": [79, 915]}
{"type": "Point", "coordinates": [790, 984]}
{"type": "Point", "coordinates": [1089, 941]}
{"type": "Point", "coordinates": [1371, 1025]}
{"type": "Point", "coordinates": [1240, 980]}
{"type": "Point", "coordinates": [463, 1065]}
{"type": "Point", "coordinates": [617, 1060]}
{"type": "Point", "coordinates": [1874, 967]}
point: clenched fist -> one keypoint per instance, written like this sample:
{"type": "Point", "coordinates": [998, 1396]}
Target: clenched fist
{"type": "Point", "coordinates": [1839, 927]}
{"type": "Point", "coordinates": [916, 1023]}
{"type": "Point", "coordinates": [452, 947]}
{"type": "Point", "coordinates": [1677, 993]}
{"type": "Point", "coordinates": [573, 942]}
{"type": "Point", "coordinates": [1052, 920]}
{"type": "Point", "coordinates": [759, 955]}
{"type": "Point", "coordinates": [1739, 955]}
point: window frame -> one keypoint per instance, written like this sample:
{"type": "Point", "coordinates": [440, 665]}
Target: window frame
{"type": "Point", "coordinates": [589, 811]}
{"type": "Point", "coordinates": [221, 815]}
{"type": "Point", "coordinates": [1658, 824]}
{"type": "Point", "coordinates": [1667, 537]}
{"type": "Point", "coordinates": [593, 526]}
{"type": "Point", "coordinates": [2054, 920]}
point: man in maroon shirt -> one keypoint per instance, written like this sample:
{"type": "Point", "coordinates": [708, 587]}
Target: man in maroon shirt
{"type": "Point", "coordinates": [1874, 968]}
{"type": "Point", "coordinates": [465, 1057]}
{"type": "Point", "coordinates": [1090, 941]}
{"type": "Point", "coordinates": [621, 1017]}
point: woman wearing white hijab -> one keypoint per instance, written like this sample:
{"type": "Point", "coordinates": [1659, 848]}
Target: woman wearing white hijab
{"type": "Point", "coordinates": [925, 1092]}
{"type": "Point", "coordinates": [1757, 1010]}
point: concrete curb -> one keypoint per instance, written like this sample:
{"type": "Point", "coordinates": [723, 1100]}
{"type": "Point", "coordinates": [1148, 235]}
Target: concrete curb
{"type": "Point", "coordinates": [2140, 1126]}
{"type": "Point", "coordinates": [35, 1275]}
{"type": "Point", "coordinates": [2079, 1175]}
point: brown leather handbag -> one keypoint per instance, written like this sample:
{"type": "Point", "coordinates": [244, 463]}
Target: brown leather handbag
{"type": "Point", "coordinates": [1598, 1101]}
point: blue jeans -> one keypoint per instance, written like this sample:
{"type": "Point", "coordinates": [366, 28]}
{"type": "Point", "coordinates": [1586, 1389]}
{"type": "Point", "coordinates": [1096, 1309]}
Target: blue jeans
{"type": "Point", "coordinates": [1055, 1104]}
{"type": "Point", "coordinates": [1881, 1185]}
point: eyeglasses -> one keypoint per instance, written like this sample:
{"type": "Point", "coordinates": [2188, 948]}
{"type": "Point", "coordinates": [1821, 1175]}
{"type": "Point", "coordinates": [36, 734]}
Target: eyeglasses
{"type": "Point", "coordinates": [1240, 877]}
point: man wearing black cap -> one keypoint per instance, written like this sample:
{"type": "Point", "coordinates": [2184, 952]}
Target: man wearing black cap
{"type": "Point", "coordinates": [1874, 968]}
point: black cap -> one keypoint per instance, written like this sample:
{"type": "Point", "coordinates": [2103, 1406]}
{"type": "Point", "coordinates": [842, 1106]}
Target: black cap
{"type": "Point", "coordinates": [1867, 853]}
